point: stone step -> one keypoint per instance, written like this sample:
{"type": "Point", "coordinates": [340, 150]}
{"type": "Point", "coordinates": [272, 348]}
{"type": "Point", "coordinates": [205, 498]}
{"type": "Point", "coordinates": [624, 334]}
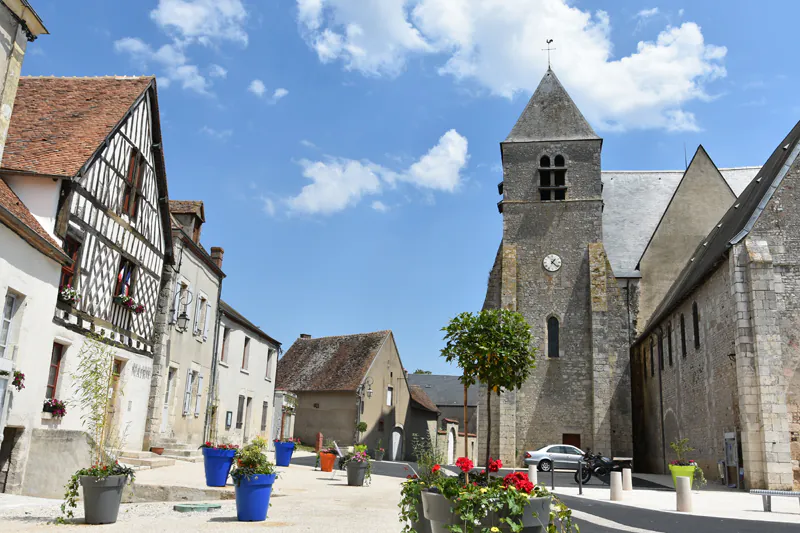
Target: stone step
{"type": "Point", "coordinates": [176, 446]}
{"type": "Point", "coordinates": [136, 454]}
{"type": "Point", "coordinates": [185, 459]}
{"type": "Point", "coordinates": [152, 462]}
{"type": "Point", "coordinates": [168, 440]}
{"type": "Point", "coordinates": [182, 452]}
{"type": "Point", "coordinates": [135, 468]}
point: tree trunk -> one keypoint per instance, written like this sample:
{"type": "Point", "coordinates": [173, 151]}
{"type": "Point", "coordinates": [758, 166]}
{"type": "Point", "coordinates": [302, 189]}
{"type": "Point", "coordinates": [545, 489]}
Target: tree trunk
{"type": "Point", "coordinates": [466, 432]}
{"type": "Point", "coordinates": [488, 425]}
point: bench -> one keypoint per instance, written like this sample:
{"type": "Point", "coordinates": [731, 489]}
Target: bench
{"type": "Point", "coordinates": [766, 496]}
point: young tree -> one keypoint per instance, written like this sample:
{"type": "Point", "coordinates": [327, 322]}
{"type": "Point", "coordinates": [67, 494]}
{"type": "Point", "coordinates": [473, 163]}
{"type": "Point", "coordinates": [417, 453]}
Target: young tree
{"type": "Point", "coordinates": [492, 347]}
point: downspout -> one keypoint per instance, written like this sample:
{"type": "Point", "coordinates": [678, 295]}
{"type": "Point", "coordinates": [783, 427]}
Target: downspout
{"type": "Point", "coordinates": [212, 386]}
{"type": "Point", "coordinates": [661, 397]}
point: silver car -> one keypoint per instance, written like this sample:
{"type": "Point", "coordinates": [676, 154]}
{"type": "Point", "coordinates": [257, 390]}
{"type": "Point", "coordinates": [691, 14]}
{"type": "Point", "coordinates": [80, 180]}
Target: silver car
{"type": "Point", "coordinates": [559, 456]}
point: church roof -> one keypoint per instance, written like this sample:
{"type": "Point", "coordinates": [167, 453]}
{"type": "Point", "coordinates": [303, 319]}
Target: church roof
{"type": "Point", "coordinates": [550, 115]}
{"type": "Point", "coordinates": [733, 227]}
{"type": "Point", "coordinates": [634, 202]}
{"type": "Point", "coordinates": [445, 391]}
{"type": "Point", "coordinates": [58, 123]}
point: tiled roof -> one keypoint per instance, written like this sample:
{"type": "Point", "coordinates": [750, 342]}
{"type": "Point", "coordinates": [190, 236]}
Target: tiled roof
{"type": "Point", "coordinates": [418, 395]}
{"type": "Point", "coordinates": [58, 123]}
{"type": "Point", "coordinates": [329, 363]}
{"type": "Point", "coordinates": [732, 228]}
{"type": "Point", "coordinates": [234, 315]}
{"type": "Point", "coordinates": [446, 391]}
{"type": "Point", "coordinates": [191, 207]}
{"type": "Point", "coordinates": [10, 201]}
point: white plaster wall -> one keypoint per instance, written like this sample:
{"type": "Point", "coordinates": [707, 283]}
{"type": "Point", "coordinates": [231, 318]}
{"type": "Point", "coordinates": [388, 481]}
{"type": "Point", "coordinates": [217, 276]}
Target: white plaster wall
{"type": "Point", "coordinates": [187, 350]}
{"type": "Point", "coordinates": [257, 382]}
{"type": "Point", "coordinates": [40, 196]}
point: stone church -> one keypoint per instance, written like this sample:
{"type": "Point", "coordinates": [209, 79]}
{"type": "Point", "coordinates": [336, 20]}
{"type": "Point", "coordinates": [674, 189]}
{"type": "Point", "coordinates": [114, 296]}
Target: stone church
{"type": "Point", "coordinates": [664, 304]}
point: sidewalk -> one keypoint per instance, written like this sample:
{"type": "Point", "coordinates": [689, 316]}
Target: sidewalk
{"type": "Point", "coordinates": [711, 503]}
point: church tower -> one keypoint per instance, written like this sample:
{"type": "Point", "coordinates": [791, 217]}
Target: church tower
{"type": "Point", "coordinates": [552, 268]}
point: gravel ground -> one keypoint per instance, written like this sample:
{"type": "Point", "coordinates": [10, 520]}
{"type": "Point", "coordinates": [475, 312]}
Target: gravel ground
{"type": "Point", "coordinates": [304, 500]}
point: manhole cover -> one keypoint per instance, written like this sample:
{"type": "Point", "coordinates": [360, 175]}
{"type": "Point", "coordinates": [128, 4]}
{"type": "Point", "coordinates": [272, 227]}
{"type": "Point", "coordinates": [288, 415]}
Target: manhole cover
{"type": "Point", "coordinates": [195, 507]}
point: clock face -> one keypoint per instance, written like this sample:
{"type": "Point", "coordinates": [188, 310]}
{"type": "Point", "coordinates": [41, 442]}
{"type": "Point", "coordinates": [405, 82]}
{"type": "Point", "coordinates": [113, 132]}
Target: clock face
{"type": "Point", "coordinates": [551, 263]}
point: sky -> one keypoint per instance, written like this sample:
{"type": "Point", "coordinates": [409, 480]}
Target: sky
{"type": "Point", "coordinates": [347, 151]}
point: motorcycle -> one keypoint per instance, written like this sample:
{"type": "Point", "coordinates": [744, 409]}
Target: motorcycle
{"type": "Point", "coordinates": [599, 466]}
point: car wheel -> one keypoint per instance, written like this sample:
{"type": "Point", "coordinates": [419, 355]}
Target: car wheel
{"type": "Point", "coordinates": [545, 465]}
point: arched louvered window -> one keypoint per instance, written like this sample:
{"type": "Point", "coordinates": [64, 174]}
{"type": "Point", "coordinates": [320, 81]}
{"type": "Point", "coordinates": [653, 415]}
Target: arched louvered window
{"type": "Point", "coordinates": [552, 337]}
{"type": "Point", "coordinates": [559, 160]}
{"type": "Point", "coordinates": [544, 161]}
{"type": "Point", "coordinates": [552, 180]}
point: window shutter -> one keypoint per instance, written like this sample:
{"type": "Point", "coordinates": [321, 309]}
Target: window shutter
{"type": "Point", "coordinates": [208, 320]}
{"type": "Point", "coordinates": [176, 304]}
{"type": "Point", "coordinates": [199, 395]}
{"type": "Point", "coordinates": [197, 317]}
{"type": "Point", "coordinates": [187, 397]}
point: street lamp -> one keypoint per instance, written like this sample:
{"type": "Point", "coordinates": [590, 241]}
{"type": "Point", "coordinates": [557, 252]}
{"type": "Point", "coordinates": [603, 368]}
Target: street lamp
{"type": "Point", "coordinates": [183, 321]}
{"type": "Point", "coordinates": [369, 383]}
{"type": "Point", "coordinates": [184, 299]}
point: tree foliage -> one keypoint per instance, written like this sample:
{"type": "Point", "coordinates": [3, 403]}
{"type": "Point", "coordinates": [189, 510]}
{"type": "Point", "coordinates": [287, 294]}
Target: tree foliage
{"type": "Point", "coordinates": [492, 347]}
{"type": "Point", "coordinates": [420, 371]}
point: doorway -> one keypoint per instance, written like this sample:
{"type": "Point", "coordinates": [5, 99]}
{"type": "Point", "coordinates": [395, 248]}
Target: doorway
{"type": "Point", "coordinates": [10, 438]}
{"type": "Point", "coordinates": [397, 444]}
{"type": "Point", "coordinates": [572, 439]}
{"type": "Point", "coordinates": [248, 412]}
{"type": "Point", "coordinates": [112, 434]}
{"type": "Point", "coordinates": [451, 446]}
{"type": "Point", "coordinates": [168, 395]}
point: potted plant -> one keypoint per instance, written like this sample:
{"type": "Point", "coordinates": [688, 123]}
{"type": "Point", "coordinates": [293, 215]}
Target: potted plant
{"type": "Point", "coordinates": [217, 461]}
{"type": "Point", "coordinates": [683, 467]}
{"type": "Point", "coordinates": [103, 481]}
{"type": "Point", "coordinates": [487, 503]}
{"type": "Point", "coordinates": [428, 459]}
{"type": "Point", "coordinates": [327, 459]}
{"type": "Point", "coordinates": [253, 478]}
{"type": "Point", "coordinates": [18, 381]}
{"type": "Point", "coordinates": [55, 407]}
{"type": "Point", "coordinates": [68, 294]}
{"type": "Point", "coordinates": [379, 451]}
{"type": "Point", "coordinates": [284, 448]}
{"type": "Point", "coordinates": [130, 303]}
{"type": "Point", "coordinates": [358, 466]}
{"type": "Point", "coordinates": [361, 428]}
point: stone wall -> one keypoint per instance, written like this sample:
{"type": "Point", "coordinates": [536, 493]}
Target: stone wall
{"type": "Point", "coordinates": [54, 455]}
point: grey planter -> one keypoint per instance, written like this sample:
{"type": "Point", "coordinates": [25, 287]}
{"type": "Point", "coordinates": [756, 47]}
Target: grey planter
{"type": "Point", "coordinates": [101, 498]}
{"type": "Point", "coordinates": [356, 473]}
{"type": "Point", "coordinates": [379, 455]}
{"type": "Point", "coordinates": [422, 525]}
{"type": "Point", "coordinates": [438, 510]}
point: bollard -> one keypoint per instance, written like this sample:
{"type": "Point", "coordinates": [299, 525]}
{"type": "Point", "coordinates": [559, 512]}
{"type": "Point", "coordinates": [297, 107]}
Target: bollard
{"type": "Point", "coordinates": [627, 479]}
{"type": "Point", "coordinates": [533, 474]}
{"type": "Point", "coordinates": [552, 478]}
{"type": "Point", "coordinates": [580, 478]}
{"type": "Point", "coordinates": [683, 489]}
{"type": "Point", "coordinates": [616, 486]}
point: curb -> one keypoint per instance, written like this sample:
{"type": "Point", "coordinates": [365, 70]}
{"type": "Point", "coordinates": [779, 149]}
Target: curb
{"type": "Point", "coordinates": [142, 493]}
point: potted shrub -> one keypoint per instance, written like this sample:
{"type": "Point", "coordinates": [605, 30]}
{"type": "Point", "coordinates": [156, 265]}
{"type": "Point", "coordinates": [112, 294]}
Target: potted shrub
{"type": "Point", "coordinates": [103, 481]}
{"type": "Point", "coordinates": [379, 451]}
{"type": "Point", "coordinates": [217, 461]}
{"type": "Point", "coordinates": [684, 467]}
{"type": "Point", "coordinates": [253, 478]}
{"type": "Point", "coordinates": [358, 466]}
{"type": "Point", "coordinates": [55, 407]}
{"type": "Point", "coordinates": [327, 459]}
{"type": "Point", "coordinates": [428, 459]}
{"type": "Point", "coordinates": [488, 503]}
{"type": "Point", "coordinates": [284, 448]}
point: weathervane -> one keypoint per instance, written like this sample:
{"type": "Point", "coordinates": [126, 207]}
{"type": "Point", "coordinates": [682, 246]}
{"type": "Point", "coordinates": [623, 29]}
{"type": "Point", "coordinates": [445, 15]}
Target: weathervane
{"type": "Point", "coordinates": [548, 52]}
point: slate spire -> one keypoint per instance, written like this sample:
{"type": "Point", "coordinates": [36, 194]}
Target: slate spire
{"type": "Point", "coordinates": [550, 115]}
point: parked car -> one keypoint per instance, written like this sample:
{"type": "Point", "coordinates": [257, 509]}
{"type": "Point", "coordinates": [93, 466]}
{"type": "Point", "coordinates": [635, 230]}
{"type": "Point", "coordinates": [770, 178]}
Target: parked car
{"type": "Point", "coordinates": [556, 456]}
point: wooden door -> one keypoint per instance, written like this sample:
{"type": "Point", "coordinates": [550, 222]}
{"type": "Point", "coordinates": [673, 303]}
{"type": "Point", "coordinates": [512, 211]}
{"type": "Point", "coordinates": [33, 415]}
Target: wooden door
{"type": "Point", "coordinates": [573, 439]}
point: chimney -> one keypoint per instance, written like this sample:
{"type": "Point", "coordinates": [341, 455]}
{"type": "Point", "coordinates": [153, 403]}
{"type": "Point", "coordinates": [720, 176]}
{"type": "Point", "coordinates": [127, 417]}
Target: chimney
{"type": "Point", "coordinates": [216, 255]}
{"type": "Point", "coordinates": [305, 336]}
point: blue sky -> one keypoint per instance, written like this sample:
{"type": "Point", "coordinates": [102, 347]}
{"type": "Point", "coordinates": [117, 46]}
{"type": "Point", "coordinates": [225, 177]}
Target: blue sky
{"type": "Point", "coordinates": [347, 150]}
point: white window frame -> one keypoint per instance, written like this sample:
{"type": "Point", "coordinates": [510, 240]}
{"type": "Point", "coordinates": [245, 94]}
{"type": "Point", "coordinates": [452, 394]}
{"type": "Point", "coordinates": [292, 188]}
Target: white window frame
{"type": "Point", "coordinates": [206, 320]}
{"type": "Point", "coordinates": [226, 344]}
{"type": "Point", "coordinates": [390, 395]}
{"type": "Point", "coordinates": [246, 354]}
{"type": "Point", "coordinates": [199, 395]}
{"type": "Point", "coordinates": [5, 344]}
{"type": "Point", "coordinates": [187, 395]}
{"type": "Point", "coordinates": [268, 374]}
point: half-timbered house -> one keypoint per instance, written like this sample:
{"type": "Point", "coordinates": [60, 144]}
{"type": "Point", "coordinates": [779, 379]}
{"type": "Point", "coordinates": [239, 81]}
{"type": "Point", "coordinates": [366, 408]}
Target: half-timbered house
{"type": "Point", "coordinates": [85, 156]}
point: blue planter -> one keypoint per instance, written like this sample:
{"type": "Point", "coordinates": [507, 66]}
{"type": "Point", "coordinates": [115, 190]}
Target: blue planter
{"type": "Point", "coordinates": [252, 497]}
{"type": "Point", "coordinates": [283, 453]}
{"type": "Point", "coordinates": [218, 464]}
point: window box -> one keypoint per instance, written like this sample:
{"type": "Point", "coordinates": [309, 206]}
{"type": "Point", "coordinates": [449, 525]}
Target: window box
{"type": "Point", "coordinates": [130, 303]}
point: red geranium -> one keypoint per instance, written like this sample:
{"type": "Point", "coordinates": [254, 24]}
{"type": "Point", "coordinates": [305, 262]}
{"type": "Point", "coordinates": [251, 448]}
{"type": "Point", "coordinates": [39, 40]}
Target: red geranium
{"type": "Point", "coordinates": [518, 480]}
{"type": "Point", "coordinates": [495, 464]}
{"type": "Point", "coordinates": [464, 464]}
{"type": "Point", "coordinates": [435, 468]}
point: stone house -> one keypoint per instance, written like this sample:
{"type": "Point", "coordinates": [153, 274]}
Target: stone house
{"type": "Point", "coordinates": [447, 393]}
{"type": "Point", "coordinates": [611, 268]}
{"type": "Point", "coordinates": [193, 329]}
{"type": "Point", "coordinates": [84, 156]}
{"type": "Point", "coordinates": [243, 402]}
{"type": "Point", "coordinates": [343, 380]}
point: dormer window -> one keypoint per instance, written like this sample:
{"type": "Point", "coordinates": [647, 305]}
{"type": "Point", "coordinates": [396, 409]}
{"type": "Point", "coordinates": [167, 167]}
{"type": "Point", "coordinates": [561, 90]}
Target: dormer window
{"type": "Point", "coordinates": [133, 183]}
{"type": "Point", "coordinates": [552, 179]}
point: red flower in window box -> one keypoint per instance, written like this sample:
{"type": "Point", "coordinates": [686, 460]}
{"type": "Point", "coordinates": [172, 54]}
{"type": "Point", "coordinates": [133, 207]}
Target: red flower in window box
{"type": "Point", "coordinates": [54, 406]}
{"type": "Point", "coordinates": [19, 380]}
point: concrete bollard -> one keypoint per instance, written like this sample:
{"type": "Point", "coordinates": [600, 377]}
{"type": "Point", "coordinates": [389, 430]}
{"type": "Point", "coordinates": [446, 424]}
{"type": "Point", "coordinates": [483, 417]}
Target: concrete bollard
{"type": "Point", "coordinates": [533, 474]}
{"type": "Point", "coordinates": [683, 491]}
{"type": "Point", "coordinates": [616, 486]}
{"type": "Point", "coordinates": [627, 479]}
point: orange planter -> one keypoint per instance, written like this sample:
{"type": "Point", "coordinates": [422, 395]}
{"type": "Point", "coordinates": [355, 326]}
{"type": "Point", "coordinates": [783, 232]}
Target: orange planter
{"type": "Point", "coordinates": [326, 461]}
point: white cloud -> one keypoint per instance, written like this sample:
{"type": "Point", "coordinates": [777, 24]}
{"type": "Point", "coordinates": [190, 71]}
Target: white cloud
{"type": "Point", "coordinates": [680, 12]}
{"type": "Point", "coordinates": [269, 206]}
{"type": "Point", "coordinates": [647, 13]}
{"type": "Point", "coordinates": [204, 21]}
{"type": "Point", "coordinates": [215, 133]}
{"type": "Point", "coordinates": [257, 88]}
{"type": "Point", "coordinates": [379, 206]}
{"type": "Point", "coordinates": [498, 47]}
{"type": "Point", "coordinates": [307, 143]}
{"type": "Point", "coordinates": [216, 71]}
{"type": "Point", "coordinates": [339, 183]}
{"type": "Point", "coordinates": [278, 94]}
{"type": "Point", "coordinates": [188, 22]}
